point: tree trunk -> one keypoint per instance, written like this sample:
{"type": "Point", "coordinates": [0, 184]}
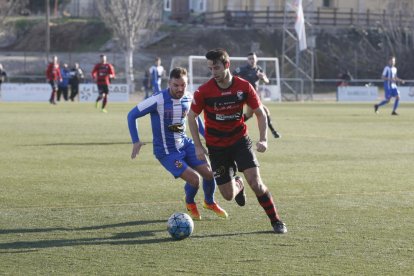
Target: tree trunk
{"type": "Point", "coordinates": [129, 69]}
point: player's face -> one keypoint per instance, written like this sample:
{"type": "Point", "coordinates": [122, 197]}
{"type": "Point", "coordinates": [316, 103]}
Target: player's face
{"type": "Point", "coordinates": [392, 61]}
{"type": "Point", "coordinates": [177, 87]}
{"type": "Point", "coordinates": [218, 71]}
{"type": "Point", "coordinates": [103, 59]}
{"type": "Point", "coordinates": [252, 60]}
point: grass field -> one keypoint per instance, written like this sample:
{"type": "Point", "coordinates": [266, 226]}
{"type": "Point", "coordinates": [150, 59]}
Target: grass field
{"type": "Point", "coordinates": [73, 202]}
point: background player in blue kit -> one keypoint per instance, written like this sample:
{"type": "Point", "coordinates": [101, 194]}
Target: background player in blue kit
{"type": "Point", "coordinates": [389, 75]}
{"type": "Point", "coordinates": [173, 149]}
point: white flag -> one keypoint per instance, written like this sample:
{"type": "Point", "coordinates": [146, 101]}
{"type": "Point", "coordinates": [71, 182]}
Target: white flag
{"type": "Point", "coordinates": [300, 25]}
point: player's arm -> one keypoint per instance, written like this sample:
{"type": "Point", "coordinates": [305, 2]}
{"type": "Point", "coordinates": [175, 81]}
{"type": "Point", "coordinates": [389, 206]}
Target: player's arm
{"type": "Point", "coordinates": [132, 117]}
{"type": "Point", "coordinates": [193, 126]}
{"type": "Point", "coordinates": [261, 75]}
{"type": "Point", "coordinates": [262, 124]}
{"type": "Point", "coordinates": [111, 71]}
{"type": "Point", "coordinates": [94, 73]}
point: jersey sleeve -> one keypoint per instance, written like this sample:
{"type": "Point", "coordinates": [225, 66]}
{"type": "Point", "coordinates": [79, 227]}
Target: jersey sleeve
{"type": "Point", "coordinates": [142, 109]}
{"type": "Point", "coordinates": [385, 72]}
{"type": "Point", "coordinates": [197, 104]}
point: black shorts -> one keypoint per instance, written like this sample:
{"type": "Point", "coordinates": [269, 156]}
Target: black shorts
{"type": "Point", "coordinates": [54, 84]}
{"type": "Point", "coordinates": [103, 88]}
{"type": "Point", "coordinates": [225, 161]}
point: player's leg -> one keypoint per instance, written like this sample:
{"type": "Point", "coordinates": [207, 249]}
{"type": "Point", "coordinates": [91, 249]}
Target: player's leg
{"type": "Point", "coordinates": [175, 164]}
{"type": "Point", "coordinates": [396, 94]}
{"type": "Point", "coordinates": [53, 94]}
{"type": "Point", "coordinates": [100, 92]}
{"type": "Point", "coordinates": [269, 123]}
{"type": "Point", "coordinates": [387, 99]}
{"type": "Point", "coordinates": [209, 184]}
{"type": "Point", "coordinates": [105, 97]}
{"type": "Point", "coordinates": [65, 93]}
{"type": "Point", "coordinates": [224, 170]}
{"type": "Point", "coordinates": [248, 164]}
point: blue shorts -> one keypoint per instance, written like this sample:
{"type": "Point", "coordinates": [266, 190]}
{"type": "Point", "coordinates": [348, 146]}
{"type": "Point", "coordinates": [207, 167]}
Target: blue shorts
{"type": "Point", "coordinates": [391, 92]}
{"type": "Point", "coordinates": [177, 162]}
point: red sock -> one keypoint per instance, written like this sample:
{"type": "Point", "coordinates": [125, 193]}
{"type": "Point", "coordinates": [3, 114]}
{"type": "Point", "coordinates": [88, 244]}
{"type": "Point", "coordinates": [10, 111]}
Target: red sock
{"type": "Point", "coordinates": [266, 201]}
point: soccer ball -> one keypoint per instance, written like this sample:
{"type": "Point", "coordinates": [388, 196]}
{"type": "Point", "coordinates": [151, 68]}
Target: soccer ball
{"type": "Point", "coordinates": [180, 226]}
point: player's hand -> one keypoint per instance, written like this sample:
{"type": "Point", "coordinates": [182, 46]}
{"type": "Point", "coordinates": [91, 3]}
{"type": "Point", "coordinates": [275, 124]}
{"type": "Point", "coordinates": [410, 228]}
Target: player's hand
{"type": "Point", "coordinates": [201, 153]}
{"type": "Point", "coordinates": [136, 147]}
{"type": "Point", "coordinates": [261, 146]}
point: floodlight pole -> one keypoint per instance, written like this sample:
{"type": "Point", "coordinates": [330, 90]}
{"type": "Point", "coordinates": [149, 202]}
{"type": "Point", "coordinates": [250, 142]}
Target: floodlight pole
{"type": "Point", "coordinates": [47, 30]}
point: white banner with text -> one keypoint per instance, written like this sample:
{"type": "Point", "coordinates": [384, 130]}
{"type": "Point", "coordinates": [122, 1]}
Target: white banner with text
{"type": "Point", "coordinates": [357, 94]}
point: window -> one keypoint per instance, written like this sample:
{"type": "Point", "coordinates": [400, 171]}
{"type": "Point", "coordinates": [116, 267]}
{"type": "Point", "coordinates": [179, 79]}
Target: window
{"type": "Point", "coordinates": [198, 5]}
{"type": "Point", "coordinates": [167, 5]}
{"type": "Point", "coordinates": [327, 4]}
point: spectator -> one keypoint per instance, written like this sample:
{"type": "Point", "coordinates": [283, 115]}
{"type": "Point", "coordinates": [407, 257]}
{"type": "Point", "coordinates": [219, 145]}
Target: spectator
{"type": "Point", "coordinates": [63, 85]}
{"type": "Point", "coordinates": [156, 73]}
{"type": "Point", "coordinates": [76, 76]}
{"type": "Point", "coordinates": [3, 75]}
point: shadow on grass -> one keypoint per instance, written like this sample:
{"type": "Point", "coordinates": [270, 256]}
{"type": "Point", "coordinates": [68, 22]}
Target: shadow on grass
{"type": "Point", "coordinates": [126, 238]}
{"type": "Point", "coordinates": [97, 227]}
{"type": "Point", "coordinates": [79, 144]}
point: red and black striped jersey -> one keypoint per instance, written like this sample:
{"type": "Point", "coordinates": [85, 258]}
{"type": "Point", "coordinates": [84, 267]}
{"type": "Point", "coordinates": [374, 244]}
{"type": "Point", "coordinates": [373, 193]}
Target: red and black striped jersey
{"type": "Point", "coordinates": [223, 110]}
{"type": "Point", "coordinates": [102, 72]}
{"type": "Point", "coordinates": [53, 72]}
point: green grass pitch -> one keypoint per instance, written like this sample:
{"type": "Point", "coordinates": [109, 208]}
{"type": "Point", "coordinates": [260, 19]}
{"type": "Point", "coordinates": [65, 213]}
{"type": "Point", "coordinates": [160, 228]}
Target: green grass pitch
{"type": "Point", "coordinates": [72, 202]}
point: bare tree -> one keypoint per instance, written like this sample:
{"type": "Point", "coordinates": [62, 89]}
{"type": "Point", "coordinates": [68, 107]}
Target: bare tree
{"type": "Point", "coordinates": [6, 8]}
{"type": "Point", "coordinates": [127, 18]}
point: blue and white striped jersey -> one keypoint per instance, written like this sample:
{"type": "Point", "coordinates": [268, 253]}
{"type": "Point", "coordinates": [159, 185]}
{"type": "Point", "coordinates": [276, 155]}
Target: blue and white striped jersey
{"type": "Point", "coordinates": [168, 121]}
{"type": "Point", "coordinates": [390, 72]}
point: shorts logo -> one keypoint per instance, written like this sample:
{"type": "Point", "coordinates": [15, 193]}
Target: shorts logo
{"type": "Point", "coordinates": [219, 172]}
{"type": "Point", "coordinates": [178, 164]}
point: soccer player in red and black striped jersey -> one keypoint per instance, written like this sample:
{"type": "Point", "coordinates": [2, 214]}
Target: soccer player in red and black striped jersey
{"type": "Point", "coordinates": [53, 76]}
{"type": "Point", "coordinates": [102, 73]}
{"type": "Point", "coordinates": [229, 147]}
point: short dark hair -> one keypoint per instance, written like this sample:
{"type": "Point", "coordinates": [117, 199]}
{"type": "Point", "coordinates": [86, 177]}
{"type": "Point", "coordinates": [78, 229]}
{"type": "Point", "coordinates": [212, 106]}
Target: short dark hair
{"type": "Point", "coordinates": [178, 72]}
{"type": "Point", "coordinates": [252, 54]}
{"type": "Point", "coordinates": [218, 55]}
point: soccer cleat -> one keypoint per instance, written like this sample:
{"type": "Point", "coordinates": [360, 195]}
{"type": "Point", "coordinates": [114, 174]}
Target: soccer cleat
{"type": "Point", "coordinates": [394, 113]}
{"type": "Point", "coordinates": [192, 209]}
{"type": "Point", "coordinates": [376, 108]}
{"type": "Point", "coordinates": [216, 209]}
{"type": "Point", "coordinates": [279, 227]}
{"type": "Point", "coordinates": [276, 134]}
{"type": "Point", "coordinates": [52, 102]}
{"type": "Point", "coordinates": [241, 196]}
{"type": "Point", "coordinates": [104, 110]}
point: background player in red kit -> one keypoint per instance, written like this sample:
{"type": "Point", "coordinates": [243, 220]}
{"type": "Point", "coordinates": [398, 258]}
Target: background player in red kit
{"type": "Point", "coordinates": [53, 76]}
{"type": "Point", "coordinates": [229, 147]}
{"type": "Point", "coordinates": [102, 73]}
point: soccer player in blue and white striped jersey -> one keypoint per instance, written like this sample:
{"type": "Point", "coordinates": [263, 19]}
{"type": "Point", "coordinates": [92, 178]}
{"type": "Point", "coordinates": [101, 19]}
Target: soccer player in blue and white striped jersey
{"type": "Point", "coordinates": [173, 149]}
{"type": "Point", "coordinates": [389, 75]}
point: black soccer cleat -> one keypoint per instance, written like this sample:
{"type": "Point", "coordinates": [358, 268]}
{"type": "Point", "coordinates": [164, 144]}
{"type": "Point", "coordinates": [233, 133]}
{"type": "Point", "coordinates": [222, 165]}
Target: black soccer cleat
{"type": "Point", "coordinates": [241, 196]}
{"type": "Point", "coordinates": [394, 113]}
{"type": "Point", "coordinates": [276, 134]}
{"type": "Point", "coordinates": [279, 227]}
{"type": "Point", "coordinates": [376, 108]}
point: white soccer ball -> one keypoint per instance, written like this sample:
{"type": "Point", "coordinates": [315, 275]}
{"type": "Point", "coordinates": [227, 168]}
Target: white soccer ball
{"type": "Point", "coordinates": [180, 226]}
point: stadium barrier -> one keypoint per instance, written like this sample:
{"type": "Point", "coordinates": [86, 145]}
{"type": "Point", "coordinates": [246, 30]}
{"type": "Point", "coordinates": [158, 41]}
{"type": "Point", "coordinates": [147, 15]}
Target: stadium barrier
{"type": "Point", "coordinates": [40, 92]}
